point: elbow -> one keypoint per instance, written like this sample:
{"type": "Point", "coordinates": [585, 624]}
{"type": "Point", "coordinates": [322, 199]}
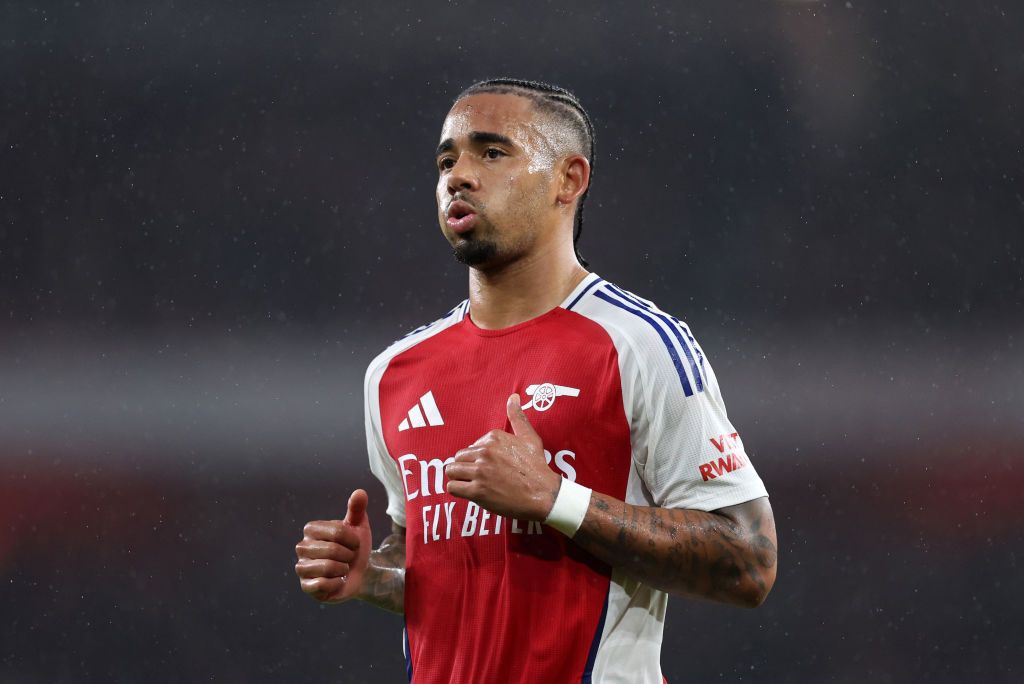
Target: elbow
{"type": "Point", "coordinates": [753, 591]}
{"type": "Point", "coordinates": [753, 598]}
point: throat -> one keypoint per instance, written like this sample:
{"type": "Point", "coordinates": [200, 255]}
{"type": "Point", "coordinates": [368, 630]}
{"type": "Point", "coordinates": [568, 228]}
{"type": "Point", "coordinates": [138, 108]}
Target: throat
{"type": "Point", "coordinates": [519, 293]}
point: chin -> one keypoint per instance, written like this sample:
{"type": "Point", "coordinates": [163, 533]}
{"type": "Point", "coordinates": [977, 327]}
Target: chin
{"type": "Point", "coordinates": [477, 253]}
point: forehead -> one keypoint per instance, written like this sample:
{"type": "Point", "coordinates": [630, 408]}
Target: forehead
{"type": "Point", "coordinates": [504, 113]}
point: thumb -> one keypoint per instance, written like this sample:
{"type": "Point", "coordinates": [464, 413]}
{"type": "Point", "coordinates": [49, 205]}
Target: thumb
{"type": "Point", "coordinates": [356, 508]}
{"type": "Point", "coordinates": [517, 419]}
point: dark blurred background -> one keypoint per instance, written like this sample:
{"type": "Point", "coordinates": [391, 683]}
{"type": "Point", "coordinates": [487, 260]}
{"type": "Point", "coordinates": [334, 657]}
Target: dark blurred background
{"type": "Point", "coordinates": [214, 214]}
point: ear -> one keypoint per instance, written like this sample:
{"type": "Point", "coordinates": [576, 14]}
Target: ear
{"type": "Point", "coordinates": [574, 177]}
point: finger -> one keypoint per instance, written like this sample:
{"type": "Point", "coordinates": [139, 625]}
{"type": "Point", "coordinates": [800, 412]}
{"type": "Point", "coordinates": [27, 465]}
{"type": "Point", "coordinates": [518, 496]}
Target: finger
{"type": "Point", "coordinates": [313, 548]}
{"type": "Point", "coordinates": [322, 587]}
{"type": "Point", "coordinates": [463, 490]}
{"type": "Point", "coordinates": [468, 455]}
{"type": "Point", "coordinates": [331, 531]}
{"type": "Point", "coordinates": [520, 423]}
{"type": "Point", "coordinates": [489, 438]}
{"type": "Point", "coordinates": [356, 507]}
{"type": "Point", "coordinates": [461, 471]}
{"type": "Point", "coordinates": [310, 569]}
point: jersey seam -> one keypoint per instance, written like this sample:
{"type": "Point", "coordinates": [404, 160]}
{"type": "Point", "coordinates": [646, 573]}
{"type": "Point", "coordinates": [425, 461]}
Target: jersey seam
{"type": "Point", "coordinates": [740, 490]}
{"type": "Point", "coordinates": [643, 382]}
{"type": "Point", "coordinates": [380, 364]}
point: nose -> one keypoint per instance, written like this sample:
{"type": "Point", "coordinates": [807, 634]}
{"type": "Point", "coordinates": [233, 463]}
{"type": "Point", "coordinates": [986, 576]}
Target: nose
{"type": "Point", "coordinates": [462, 176]}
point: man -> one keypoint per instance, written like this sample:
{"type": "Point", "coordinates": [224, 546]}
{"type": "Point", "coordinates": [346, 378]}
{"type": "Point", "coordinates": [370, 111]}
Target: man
{"type": "Point", "coordinates": [555, 450]}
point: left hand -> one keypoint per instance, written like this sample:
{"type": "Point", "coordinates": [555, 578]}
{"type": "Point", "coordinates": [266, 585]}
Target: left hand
{"type": "Point", "coordinates": [506, 473]}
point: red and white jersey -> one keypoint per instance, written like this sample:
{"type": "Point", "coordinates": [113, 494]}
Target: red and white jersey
{"type": "Point", "coordinates": [625, 402]}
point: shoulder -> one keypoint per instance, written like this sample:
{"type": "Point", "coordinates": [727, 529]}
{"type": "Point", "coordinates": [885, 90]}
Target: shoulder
{"type": "Point", "coordinates": [415, 337]}
{"type": "Point", "coordinates": [658, 342]}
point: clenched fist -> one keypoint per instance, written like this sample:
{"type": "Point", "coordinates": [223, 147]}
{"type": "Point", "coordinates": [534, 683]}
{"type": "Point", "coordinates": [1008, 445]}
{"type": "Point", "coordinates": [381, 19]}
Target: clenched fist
{"type": "Point", "coordinates": [506, 473]}
{"type": "Point", "coordinates": [333, 554]}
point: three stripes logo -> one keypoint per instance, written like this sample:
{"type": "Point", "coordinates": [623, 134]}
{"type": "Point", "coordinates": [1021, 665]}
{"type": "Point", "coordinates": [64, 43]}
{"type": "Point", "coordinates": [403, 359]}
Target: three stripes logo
{"type": "Point", "coordinates": [424, 413]}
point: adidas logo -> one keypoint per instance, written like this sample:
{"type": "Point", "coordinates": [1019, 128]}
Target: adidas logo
{"type": "Point", "coordinates": [429, 415]}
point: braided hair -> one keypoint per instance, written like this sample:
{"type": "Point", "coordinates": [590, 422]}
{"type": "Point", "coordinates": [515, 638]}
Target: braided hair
{"type": "Point", "coordinates": [562, 104]}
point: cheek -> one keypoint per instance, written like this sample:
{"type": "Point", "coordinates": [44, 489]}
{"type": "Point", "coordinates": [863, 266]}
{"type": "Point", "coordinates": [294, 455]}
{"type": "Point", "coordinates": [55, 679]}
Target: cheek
{"type": "Point", "coordinates": [529, 189]}
{"type": "Point", "coordinates": [439, 194]}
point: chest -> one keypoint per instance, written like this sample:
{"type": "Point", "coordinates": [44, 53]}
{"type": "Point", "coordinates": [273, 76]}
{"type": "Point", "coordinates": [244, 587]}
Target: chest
{"type": "Point", "coordinates": [441, 396]}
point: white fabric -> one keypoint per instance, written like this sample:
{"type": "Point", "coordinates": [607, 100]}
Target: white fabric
{"type": "Point", "coordinates": [671, 433]}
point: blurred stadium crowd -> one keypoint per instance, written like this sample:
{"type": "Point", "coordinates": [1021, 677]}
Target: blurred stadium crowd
{"type": "Point", "coordinates": [212, 216]}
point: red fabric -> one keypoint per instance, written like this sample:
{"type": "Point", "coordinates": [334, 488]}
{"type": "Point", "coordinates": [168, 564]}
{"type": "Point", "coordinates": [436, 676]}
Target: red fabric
{"type": "Point", "coordinates": [503, 606]}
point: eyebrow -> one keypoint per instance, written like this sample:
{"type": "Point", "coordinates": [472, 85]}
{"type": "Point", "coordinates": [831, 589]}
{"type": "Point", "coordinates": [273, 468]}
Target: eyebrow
{"type": "Point", "coordinates": [476, 137]}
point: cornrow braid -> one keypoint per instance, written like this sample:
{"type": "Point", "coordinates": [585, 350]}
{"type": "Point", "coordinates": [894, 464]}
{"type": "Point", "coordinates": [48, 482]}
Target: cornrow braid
{"type": "Point", "coordinates": [560, 102]}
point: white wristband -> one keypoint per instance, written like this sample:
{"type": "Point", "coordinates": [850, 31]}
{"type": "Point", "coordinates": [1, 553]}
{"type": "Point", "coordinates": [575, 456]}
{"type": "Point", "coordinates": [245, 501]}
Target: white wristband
{"type": "Point", "coordinates": [570, 508]}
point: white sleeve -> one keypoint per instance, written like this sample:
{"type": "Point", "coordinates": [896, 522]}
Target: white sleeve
{"type": "Point", "coordinates": [381, 463]}
{"type": "Point", "coordinates": [689, 454]}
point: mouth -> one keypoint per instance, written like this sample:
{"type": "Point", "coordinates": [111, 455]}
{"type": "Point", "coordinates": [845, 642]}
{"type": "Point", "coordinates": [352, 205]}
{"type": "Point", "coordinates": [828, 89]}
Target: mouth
{"type": "Point", "coordinates": [461, 217]}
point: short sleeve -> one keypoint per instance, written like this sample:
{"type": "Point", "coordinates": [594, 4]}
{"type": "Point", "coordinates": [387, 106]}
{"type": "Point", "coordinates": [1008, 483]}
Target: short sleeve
{"type": "Point", "coordinates": [689, 453]}
{"type": "Point", "coordinates": [381, 463]}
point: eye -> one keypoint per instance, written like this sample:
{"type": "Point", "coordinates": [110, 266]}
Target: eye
{"type": "Point", "coordinates": [445, 163]}
{"type": "Point", "coordinates": [493, 153]}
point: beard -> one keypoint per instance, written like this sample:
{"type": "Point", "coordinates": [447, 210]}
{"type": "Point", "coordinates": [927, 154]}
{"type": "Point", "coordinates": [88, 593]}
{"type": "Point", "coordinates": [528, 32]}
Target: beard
{"type": "Point", "coordinates": [479, 247]}
{"type": "Point", "coordinates": [475, 251]}
{"type": "Point", "coordinates": [485, 248]}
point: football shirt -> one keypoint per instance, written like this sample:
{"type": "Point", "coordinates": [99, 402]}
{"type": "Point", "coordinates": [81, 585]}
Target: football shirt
{"type": "Point", "coordinates": [625, 402]}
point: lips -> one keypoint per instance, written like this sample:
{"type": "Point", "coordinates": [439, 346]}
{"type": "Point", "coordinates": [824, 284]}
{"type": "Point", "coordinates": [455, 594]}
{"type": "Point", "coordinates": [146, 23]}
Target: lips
{"type": "Point", "coordinates": [461, 216]}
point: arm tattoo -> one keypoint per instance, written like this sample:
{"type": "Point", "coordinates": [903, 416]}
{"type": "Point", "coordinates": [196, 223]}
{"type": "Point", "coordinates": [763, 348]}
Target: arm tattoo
{"type": "Point", "coordinates": [728, 555]}
{"type": "Point", "coordinates": [384, 581]}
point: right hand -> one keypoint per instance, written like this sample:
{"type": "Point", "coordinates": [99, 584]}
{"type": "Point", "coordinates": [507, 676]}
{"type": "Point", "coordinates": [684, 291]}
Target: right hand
{"type": "Point", "coordinates": [333, 554]}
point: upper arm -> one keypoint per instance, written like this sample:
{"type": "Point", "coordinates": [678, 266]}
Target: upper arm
{"type": "Point", "coordinates": [688, 452]}
{"type": "Point", "coordinates": [381, 463]}
{"type": "Point", "coordinates": [755, 517]}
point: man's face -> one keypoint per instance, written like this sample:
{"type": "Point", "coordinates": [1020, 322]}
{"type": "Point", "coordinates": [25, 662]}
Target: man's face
{"type": "Point", "coordinates": [495, 187]}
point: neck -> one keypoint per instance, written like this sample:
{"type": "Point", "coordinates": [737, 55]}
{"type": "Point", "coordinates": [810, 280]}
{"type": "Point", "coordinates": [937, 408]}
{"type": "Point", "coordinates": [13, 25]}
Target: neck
{"type": "Point", "coordinates": [526, 288]}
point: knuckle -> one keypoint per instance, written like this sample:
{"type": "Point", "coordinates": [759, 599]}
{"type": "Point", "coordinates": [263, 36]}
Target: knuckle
{"type": "Point", "coordinates": [346, 539]}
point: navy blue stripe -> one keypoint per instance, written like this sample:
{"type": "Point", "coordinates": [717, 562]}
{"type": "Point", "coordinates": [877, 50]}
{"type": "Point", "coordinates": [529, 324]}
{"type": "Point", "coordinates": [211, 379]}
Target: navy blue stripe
{"type": "Point", "coordinates": [585, 291]}
{"type": "Point", "coordinates": [679, 324]}
{"type": "Point", "coordinates": [693, 342]}
{"type": "Point", "coordinates": [679, 337]}
{"type": "Point", "coordinates": [631, 297]}
{"type": "Point", "coordinates": [408, 654]}
{"type": "Point", "coordinates": [686, 350]}
{"type": "Point", "coordinates": [664, 338]}
{"type": "Point", "coordinates": [588, 671]}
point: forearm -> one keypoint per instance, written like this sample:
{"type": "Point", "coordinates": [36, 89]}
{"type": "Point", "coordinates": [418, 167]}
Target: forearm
{"type": "Point", "coordinates": [384, 581]}
{"type": "Point", "coordinates": [727, 557]}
